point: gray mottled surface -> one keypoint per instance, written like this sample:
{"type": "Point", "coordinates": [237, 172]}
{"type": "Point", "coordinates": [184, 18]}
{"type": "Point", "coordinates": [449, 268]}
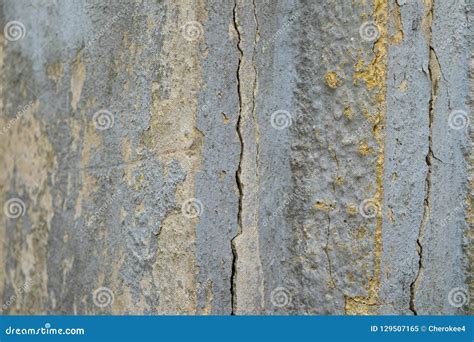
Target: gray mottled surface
{"type": "Point", "coordinates": [247, 157]}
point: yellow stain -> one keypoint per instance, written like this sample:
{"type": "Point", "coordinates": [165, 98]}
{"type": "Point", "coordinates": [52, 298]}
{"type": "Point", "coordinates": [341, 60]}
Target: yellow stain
{"type": "Point", "coordinates": [348, 112]}
{"type": "Point", "coordinates": [403, 86]}
{"type": "Point", "coordinates": [398, 36]}
{"type": "Point", "coordinates": [332, 80]}
{"type": "Point", "coordinates": [374, 76]}
{"type": "Point", "coordinates": [352, 209]}
{"type": "Point", "coordinates": [364, 149]}
{"type": "Point", "coordinates": [323, 206]}
{"type": "Point", "coordinates": [361, 232]}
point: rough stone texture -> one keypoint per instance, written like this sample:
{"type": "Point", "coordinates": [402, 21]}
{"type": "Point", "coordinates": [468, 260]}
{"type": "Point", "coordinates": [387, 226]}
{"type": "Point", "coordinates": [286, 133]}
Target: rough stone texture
{"type": "Point", "coordinates": [258, 157]}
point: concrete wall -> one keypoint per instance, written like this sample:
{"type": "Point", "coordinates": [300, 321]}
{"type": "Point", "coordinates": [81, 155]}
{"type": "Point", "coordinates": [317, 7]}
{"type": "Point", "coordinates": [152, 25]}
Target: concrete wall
{"type": "Point", "coordinates": [220, 157]}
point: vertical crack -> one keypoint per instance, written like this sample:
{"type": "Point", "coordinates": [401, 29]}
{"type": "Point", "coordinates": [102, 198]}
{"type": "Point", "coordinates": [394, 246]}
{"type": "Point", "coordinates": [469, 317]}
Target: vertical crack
{"type": "Point", "coordinates": [257, 133]}
{"type": "Point", "coordinates": [434, 71]}
{"type": "Point", "coordinates": [326, 250]}
{"type": "Point", "coordinates": [254, 94]}
{"type": "Point", "coordinates": [238, 173]}
{"type": "Point", "coordinates": [247, 90]}
{"type": "Point", "coordinates": [328, 231]}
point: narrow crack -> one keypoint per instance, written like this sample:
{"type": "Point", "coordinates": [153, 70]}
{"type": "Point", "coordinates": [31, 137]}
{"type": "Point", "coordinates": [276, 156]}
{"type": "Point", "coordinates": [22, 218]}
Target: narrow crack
{"type": "Point", "coordinates": [326, 250]}
{"type": "Point", "coordinates": [434, 71]}
{"type": "Point", "coordinates": [257, 128]}
{"type": "Point", "coordinates": [240, 186]}
{"type": "Point", "coordinates": [333, 154]}
{"type": "Point", "coordinates": [254, 94]}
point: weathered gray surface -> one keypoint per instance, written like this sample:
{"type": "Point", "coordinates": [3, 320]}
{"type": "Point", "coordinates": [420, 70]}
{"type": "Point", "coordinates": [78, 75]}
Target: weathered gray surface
{"type": "Point", "coordinates": [326, 170]}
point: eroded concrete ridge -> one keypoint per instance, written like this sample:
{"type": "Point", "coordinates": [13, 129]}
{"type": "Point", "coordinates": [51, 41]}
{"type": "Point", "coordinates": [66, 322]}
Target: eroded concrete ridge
{"type": "Point", "coordinates": [235, 157]}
